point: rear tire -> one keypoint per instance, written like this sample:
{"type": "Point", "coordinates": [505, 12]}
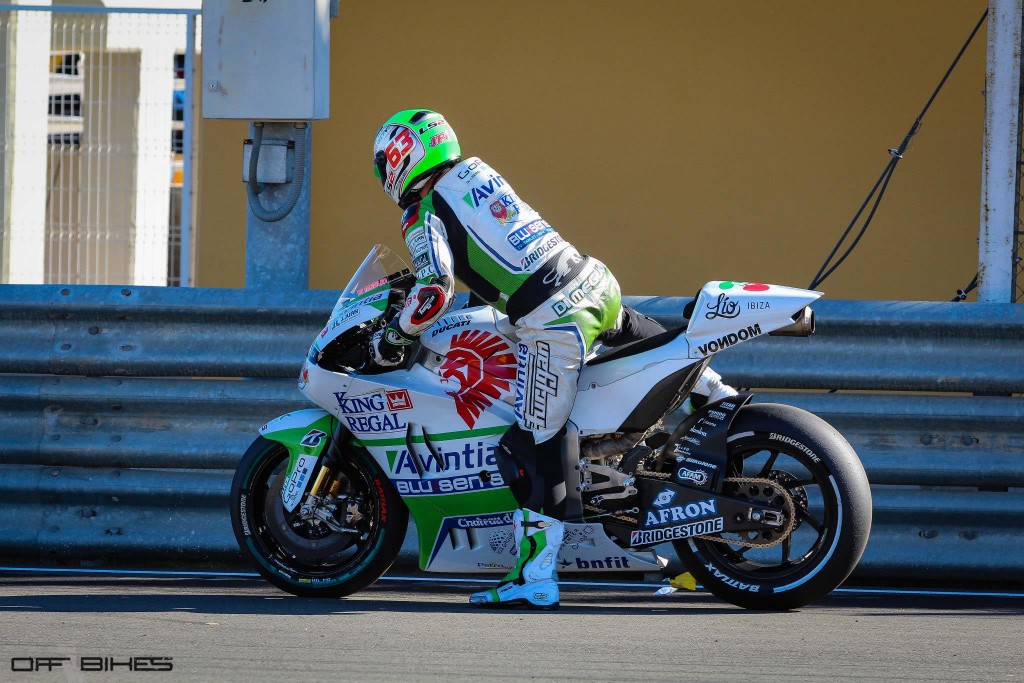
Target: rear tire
{"type": "Point", "coordinates": [309, 559]}
{"type": "Point", "coordinates": [808, 458]}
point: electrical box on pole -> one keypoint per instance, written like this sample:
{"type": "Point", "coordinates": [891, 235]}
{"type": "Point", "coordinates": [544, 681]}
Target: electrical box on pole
{"type": "Point", "coordinates": [267, 60]}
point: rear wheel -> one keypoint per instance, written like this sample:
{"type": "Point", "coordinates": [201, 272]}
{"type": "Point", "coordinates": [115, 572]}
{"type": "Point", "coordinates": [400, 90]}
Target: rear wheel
{"type": "Point", "coordinates": [784, 456]}
{"type": "Point", "coordinates": [307, 556]}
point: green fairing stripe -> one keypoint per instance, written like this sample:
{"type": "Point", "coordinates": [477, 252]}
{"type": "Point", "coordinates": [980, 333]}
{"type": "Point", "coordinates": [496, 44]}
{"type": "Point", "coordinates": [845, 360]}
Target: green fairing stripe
{"type": "Point", "coordinates": [429, 512]}
{"type": "Point", "coordinates": [291, 438]}
{"type": "Point", "coordinates": [442, 436]}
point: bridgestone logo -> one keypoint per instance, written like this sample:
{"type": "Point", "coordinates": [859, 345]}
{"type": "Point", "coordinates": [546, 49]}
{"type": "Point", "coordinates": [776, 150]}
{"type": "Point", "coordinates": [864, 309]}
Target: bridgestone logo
{"type": "Point", "coordinates": [674, 533]}
{"type": "Point", "coordinates": [244, 515]}
{"type": "Point", "coordinates": [716, 345]}
{"type": "Point", "coordinates": [795, 444]}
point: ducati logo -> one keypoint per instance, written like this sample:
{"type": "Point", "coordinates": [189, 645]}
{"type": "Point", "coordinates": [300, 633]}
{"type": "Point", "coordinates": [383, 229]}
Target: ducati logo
{"type": "Point", "coordinates": [483, 366]}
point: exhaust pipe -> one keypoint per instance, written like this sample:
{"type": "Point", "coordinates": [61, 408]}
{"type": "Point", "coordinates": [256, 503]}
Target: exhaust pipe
{"type": "Point", "coordinates": [803, 325]}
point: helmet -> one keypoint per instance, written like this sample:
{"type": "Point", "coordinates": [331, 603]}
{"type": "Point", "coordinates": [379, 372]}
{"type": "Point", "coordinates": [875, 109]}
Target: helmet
{"type": "Point", "coordinates": [410, 147]}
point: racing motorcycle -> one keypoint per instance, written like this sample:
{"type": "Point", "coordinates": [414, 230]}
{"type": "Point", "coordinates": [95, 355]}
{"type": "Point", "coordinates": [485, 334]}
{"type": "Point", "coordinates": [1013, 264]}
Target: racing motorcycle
{"type": "Point", "coordinates": [766, 505]}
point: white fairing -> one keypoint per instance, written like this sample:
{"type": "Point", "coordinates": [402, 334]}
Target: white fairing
{"type": "Point", "coordinates": [724, 314]}
{"type": "Point", "coordinates": [608, 392]}
{"type": "Point", "coordinates": [433, 428]}
{"type": "Point", "coordinates": [438, 338]}
{"type": "Point", "coordinates": [346, 316]}
{"type": "Point", "coordinates": [483, 543]}
{"type": "Point", "coordinates": [727, 313]}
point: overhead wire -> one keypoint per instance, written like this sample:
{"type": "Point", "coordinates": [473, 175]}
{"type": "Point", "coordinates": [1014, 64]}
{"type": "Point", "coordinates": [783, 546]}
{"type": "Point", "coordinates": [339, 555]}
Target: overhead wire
{"type": "Point", "coordinates": [896, 154]}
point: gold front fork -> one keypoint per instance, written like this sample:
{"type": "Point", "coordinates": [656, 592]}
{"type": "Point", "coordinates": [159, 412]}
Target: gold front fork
{"type": "Point", "coordinates": [320, 478]}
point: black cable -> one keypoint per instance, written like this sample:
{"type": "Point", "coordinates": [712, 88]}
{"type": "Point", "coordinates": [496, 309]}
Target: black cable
{"type": "Point", "coordinates": [961, 294]}
{"type": "Point", "coordinates": [883, 180]}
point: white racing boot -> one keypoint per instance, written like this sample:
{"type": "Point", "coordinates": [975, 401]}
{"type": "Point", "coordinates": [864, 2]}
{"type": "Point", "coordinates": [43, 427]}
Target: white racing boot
{"type": "Point", "coordinates": [533, 582]}
{"type": "Point", "coordinates": [709, 388]}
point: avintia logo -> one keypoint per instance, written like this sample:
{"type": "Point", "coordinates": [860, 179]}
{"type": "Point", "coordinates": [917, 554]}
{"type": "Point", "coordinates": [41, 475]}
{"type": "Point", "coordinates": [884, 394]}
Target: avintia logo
{"type": "Point", "coordinates": [481, 192]}
{"type": "Point", "coordinates": [724, 342]}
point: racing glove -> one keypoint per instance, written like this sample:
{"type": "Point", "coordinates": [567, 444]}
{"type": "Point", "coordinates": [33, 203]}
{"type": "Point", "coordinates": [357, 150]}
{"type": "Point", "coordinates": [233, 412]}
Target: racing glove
{"type": "Point", "coordinates": [426, 304]}
{"type": "Point", "coordinates": [387, 347]}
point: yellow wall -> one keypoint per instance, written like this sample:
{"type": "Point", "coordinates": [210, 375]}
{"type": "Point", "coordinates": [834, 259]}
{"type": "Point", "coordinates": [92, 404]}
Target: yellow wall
{"type": "Point", "coordinates": [677, 141]}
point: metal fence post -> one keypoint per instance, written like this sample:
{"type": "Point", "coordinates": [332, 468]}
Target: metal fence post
{"type": "Point", "coordinates": [188, 139]}
{"type": "Point", "coordinates": [999, 154]}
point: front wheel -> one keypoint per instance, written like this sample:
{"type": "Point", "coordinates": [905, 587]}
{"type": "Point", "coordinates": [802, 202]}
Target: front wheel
{"type": "Point", "coordinates": [306, 556]}
{"type": "Point", "coordinates": [784, 456]}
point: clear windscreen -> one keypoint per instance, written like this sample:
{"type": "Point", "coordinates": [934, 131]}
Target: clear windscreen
{"type": "Point", "coordinates": [379, 267]}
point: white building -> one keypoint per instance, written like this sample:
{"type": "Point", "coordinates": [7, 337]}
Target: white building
{"type": "Point", "coordinates": [91, 151]}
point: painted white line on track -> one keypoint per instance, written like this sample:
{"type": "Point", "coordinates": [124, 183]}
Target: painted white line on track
{"type": "Point", "coordinates": [648, 586]}
{"type": "Point", "coordinates": [915, 591]}
{"type": "Point", "coordinates": [129, 572]}
{"type": "Point", "coordinates": [441, 579]}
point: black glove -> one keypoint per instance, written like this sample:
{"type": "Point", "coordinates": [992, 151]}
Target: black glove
{"type": "Point", "coordinates": [387, 346]}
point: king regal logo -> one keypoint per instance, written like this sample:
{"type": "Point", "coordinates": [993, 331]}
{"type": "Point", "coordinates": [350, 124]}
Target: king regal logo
{"type": "Point", "coordinates": [484, 367]}
{"type": "Point", "coordinates": [504, 213]}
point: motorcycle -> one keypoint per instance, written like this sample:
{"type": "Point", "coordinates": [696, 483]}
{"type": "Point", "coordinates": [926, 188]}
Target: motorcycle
{"type": "Point", "coordinates": [766, 505]}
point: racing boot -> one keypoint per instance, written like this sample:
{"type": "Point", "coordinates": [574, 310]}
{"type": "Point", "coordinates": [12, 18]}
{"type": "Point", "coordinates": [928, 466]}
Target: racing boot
{"type": "Point", "coordinates": [533, 582]}
{"type": "Point", "coordinates": [709, 388]}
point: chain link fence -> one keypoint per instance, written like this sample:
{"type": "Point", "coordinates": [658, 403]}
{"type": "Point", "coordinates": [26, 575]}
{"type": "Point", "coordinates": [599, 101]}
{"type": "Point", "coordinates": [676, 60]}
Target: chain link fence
{"type": "Point", "coordinates": [95, 118]}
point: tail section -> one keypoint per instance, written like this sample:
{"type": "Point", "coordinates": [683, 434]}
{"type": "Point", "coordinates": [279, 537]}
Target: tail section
{"type": "Point", "coordinates": [727, 313]}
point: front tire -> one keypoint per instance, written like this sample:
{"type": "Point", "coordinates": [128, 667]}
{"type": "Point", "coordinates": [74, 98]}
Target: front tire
{"type": "Point", "coordinates": [804, 455]}
{"type": "Point", "coordinates": [307, 558]}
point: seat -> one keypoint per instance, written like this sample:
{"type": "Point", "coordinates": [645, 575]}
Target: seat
{"type": "Point", "coordinates": [638, 346]}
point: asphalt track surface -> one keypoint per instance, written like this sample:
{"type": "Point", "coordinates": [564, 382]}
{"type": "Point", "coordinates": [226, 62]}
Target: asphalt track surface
{"type": "Point", "coordinates": [402, 629]}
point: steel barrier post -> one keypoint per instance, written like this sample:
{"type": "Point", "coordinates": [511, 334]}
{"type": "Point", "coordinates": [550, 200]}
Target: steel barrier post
{"type": "Point", "coordinates": [999, 154]}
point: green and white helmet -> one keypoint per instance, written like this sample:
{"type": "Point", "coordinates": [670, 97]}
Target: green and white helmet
{"type": "Point", "coordinates": [410, 147]}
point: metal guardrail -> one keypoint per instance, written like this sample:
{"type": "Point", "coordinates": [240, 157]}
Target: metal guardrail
{"type": "Point", "coordinates": [124, 411]}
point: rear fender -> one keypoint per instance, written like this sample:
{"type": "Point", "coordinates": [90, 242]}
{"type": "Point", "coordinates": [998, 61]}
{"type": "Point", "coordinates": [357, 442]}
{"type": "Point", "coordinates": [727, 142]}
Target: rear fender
{"type": "Point", "coordinates": [305, 433]}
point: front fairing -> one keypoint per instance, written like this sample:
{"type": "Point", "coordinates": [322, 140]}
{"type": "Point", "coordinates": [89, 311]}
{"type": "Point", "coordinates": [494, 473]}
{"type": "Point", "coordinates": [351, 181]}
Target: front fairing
{"type": "Point", "coordinates": [351, 315]}
{"type": "Point", "coordinates": [361, 303]}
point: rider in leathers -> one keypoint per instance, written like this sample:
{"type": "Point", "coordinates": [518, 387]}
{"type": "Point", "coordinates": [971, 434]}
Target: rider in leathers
{"type": "Point", "coordinates": [463, 220]}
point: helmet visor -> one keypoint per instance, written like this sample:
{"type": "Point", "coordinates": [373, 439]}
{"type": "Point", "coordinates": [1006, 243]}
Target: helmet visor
{"type": "Point", "coordinates": [380, 160]}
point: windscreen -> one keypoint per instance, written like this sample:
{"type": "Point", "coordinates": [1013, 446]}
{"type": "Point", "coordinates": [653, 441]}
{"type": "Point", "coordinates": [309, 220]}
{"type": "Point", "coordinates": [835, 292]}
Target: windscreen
{"type": "Point", "coordinates": [377, 268]}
